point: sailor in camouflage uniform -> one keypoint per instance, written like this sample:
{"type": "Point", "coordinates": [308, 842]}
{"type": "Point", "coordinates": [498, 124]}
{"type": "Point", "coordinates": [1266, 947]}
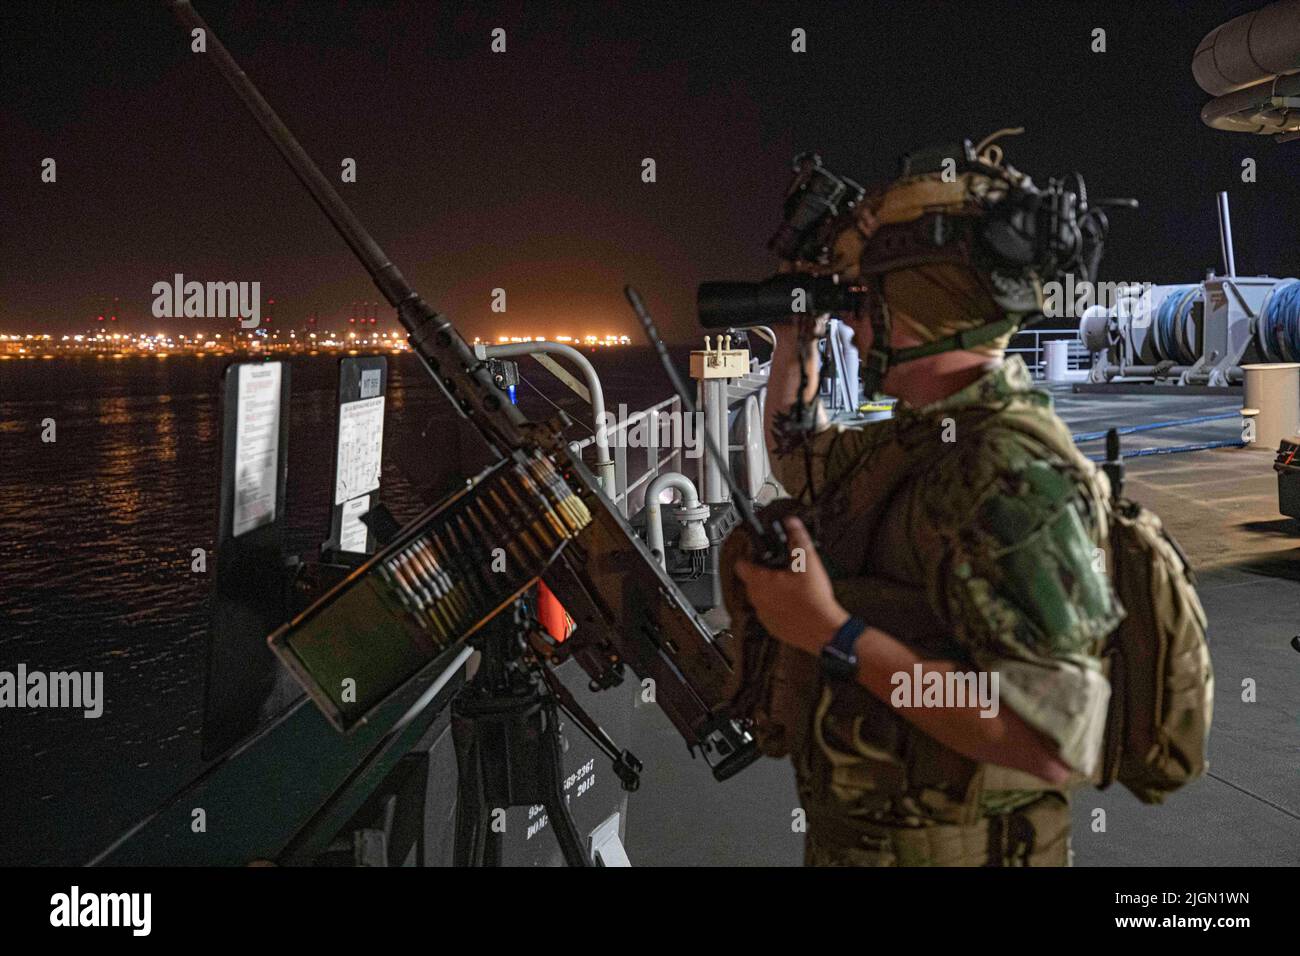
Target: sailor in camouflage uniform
{"type": "Point", "coordinates": [963, 534]}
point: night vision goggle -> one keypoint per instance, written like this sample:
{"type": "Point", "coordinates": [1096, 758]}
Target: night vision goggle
{"type": "Point", "coordinates": [953, 204]}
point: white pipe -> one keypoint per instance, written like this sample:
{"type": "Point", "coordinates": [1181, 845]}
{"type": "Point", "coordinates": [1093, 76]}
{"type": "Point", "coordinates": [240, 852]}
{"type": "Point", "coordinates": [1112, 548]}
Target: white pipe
{"type": "Point", "coordinates": [654, 522]}
{"type": "Point", "coordinates": [716, 415]}
{"type": "Point", "coordinates": [604, 463]}
{"type": "Point", "coordinates": [1225, 236]}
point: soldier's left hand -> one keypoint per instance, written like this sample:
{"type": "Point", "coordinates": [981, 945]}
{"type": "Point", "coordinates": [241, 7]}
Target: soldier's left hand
{"type": "Point", "coordinates": [796, 606]}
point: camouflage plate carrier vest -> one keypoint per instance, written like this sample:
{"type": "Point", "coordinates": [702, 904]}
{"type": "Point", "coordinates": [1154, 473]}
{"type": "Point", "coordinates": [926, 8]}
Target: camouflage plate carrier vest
{"type": "Point", "coordinates": [876, 790]}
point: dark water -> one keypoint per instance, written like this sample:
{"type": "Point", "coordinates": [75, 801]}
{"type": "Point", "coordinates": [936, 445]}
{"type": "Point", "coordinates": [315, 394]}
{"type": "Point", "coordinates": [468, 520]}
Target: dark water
{"type": "Point", "coordinates": [96, 535]}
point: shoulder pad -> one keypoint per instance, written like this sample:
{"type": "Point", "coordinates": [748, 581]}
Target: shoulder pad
{"type": "Point", "coordinates": [1024, 565]}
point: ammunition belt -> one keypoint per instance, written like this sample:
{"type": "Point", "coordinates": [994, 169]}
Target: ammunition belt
{"type": "Point", "coordinates": [448, 573]}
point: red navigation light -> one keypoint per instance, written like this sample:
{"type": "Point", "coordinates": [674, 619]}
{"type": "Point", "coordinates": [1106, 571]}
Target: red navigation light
{"type": "Point", "coordinates": [352, 321]}
{"type": "Point", "coordinates": [112, 318]}
{"type": "Point", "coordinates": [372, 320]}
{"type": "Point", "coordinates": [99, 318]}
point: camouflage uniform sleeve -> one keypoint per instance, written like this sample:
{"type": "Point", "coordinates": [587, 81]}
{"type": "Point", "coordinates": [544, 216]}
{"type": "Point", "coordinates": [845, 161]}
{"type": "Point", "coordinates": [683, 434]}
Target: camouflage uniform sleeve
{"type": "Point", "coordinates": [830, 450]}
{"type": "Point", "coordinates": [1008, 539]}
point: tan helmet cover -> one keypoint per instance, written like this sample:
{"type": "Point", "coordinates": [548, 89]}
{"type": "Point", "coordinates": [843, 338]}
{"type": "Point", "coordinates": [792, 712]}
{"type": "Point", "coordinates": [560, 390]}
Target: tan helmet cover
{"type": "Point", "coordinates": [936, 300]}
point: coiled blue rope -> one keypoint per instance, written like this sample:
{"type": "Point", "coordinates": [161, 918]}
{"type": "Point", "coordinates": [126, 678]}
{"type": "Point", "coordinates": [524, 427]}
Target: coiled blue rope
{"type": "Point", "coordinates": [1171, 319]}
{"type": "Point", "coordinates": [1279, 327]}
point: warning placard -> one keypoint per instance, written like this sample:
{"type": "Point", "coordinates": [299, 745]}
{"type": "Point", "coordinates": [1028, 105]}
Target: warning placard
{"type": "Point", "coordinates": [257, 446]}
{"type": "Point", "coordinates": [361, 443]}
{"type": "Point", "coordinates": [353, 534]}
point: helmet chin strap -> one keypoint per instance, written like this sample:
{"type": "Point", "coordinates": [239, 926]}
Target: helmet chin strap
{"type": "Point", "coordinates": [882, 356]}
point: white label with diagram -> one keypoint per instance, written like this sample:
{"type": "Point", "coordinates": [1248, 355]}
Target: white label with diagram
{"type": "Point", "coordinates": [361, 443]}
{"type": "Point", "coordinates": [257, 446]}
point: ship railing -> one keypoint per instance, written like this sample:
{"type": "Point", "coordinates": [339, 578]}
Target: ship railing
{"type": "Point", "coordinates": [637, 464]}
{"type": "Point", "coordinates": [627, 455]}
{"type": "Point", "coordinates": [1031, 345]}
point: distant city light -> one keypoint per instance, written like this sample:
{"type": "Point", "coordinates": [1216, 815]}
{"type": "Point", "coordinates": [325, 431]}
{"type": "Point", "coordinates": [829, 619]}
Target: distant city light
{"type": "Point", "coordinates": [163, 345]}
{"type": "Point", "coordinates": [99, 342]}
{"type": "Point", "coordinates": [598, 340]}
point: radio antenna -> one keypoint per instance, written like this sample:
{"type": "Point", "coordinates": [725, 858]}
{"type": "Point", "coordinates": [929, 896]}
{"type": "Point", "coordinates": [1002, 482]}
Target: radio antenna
{"type": "Point", "coordinates": [775, 549]}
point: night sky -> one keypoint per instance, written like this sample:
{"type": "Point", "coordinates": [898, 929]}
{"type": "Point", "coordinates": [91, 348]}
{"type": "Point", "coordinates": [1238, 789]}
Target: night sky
{"type": "Point", "coordinates": [523, 170]}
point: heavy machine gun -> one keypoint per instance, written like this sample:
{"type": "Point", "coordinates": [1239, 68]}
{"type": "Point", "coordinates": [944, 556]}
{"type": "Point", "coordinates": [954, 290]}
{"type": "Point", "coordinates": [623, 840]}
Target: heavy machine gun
{"type": "Point", "coordinates": [417, 602]}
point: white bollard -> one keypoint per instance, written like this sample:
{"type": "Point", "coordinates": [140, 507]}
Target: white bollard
{"type": "Point", "coordinates": [1058, 360]}
{"type": "Point", "coordinates": [1273, 390]}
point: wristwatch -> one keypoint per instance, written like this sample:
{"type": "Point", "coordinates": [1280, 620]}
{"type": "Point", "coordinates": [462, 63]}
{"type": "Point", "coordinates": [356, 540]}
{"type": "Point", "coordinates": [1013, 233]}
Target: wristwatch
{"type": "Point", "coordinates": [839, 662]}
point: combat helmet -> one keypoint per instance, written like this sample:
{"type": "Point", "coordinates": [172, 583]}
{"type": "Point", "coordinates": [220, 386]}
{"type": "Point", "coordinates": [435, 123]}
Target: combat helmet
{"type": "Point", "coordinates": [955, 211]}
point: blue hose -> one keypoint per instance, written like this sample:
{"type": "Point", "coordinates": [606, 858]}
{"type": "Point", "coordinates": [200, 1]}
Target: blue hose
{"type": "Point", "coordinates": [1171, 449]}
{"type": "Point", "coordinates": [1279, 326]}
{"type": "Point", "coordinates": [1151, 426]}
{"type": "Point", "coordinates": [1174, 449]}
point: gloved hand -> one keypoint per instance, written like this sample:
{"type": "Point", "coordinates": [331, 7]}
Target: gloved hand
{"type": "Point", "coordinates": [796, 606]}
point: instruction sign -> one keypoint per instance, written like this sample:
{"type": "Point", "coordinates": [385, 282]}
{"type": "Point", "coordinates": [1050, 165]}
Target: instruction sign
{"type": "Point", "coordinates": [361, 444]}
{"type": "Point", "coordinates": [257, 446]}
{"type": "Point", "coordinates": [359, 452]}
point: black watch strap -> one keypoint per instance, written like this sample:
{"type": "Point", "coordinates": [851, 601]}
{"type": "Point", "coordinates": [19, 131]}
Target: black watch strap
{"type": "Point", "coordinates": [839, 662]}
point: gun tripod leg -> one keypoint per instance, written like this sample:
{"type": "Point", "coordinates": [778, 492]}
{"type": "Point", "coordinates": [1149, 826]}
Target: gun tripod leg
{"type": "Point", "coordinates": [477, 841]}
{"type": "Point", "coordinates": [505, 726]}
{"type": "Point", "coordinates": [551, 784]}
